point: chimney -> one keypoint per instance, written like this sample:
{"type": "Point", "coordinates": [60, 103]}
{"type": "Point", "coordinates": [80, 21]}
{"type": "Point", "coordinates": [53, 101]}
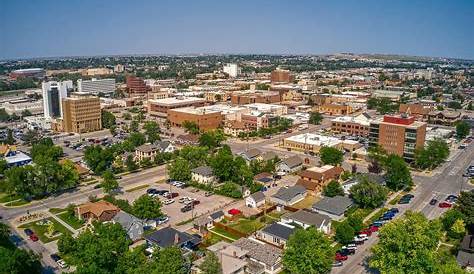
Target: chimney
{"type": "Point", "coordinates": [176, 238]}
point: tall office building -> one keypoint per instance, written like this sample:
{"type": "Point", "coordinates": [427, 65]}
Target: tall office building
{"type": "Point", "coordinates": [136, 87]}
{"type": "Point", "coordinates": [96, 86]}
{"type": "Point", "coordinates": [232, 69]}
{"type": "Point", "coordinates": [53, 93]}
{"type": "Point", "coordinates": [400, 135]}
{"type": "Point", "coordinates": [81, 114]}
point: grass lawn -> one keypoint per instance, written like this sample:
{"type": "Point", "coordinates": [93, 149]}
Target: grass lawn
{"type": "Point", "coordinates": [56, 210]}
{"type": "Point", "coordinates": [225, 233]}
{"type": "Point", "coordinates": [71, 220]}
{"type": "Point", "coordinates": [137, 188]}
{"type": "Point", "coordinates": [40, 230]}
{"type": "Point", "coordinates": [5, 198]}
{"type": "Point", "coordinates": [307, 202]}
{"type": "Point", "coordinates": [17, 203]}
{"type": "Point", "coordinates": [213, 239]}
{"type": "Point", "coordinates": [247, 225]}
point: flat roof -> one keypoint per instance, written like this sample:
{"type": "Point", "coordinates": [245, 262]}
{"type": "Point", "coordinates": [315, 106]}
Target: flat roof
{"type": "Point", "coordinates": [314, 139]}
{"type": "Point", "coordinates": [197, 111]}
{"type": "Point", "coordinates": [176, 101]}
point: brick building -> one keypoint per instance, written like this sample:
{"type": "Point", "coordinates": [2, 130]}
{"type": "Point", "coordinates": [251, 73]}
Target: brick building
{"type": "Point", "coordinates": [255, 96]}
{"type": "Point", "coordinates": [160, 107]}
{"type": "Point", "coordinates": [282, 76]}
{"type": "Point", "coordinates": [136, 87]}
{"type": "Point", "coordinates": [205, 119]}
{"type": "Point", "coordinates": [355, 126]}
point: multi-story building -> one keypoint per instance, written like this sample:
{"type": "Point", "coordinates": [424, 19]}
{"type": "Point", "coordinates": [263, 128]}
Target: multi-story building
{"type": "Point", "coordinates": [334, 109]}
{"type": "Point", "coordinates": [97, 71]}
{"type": "Point", "coordinates": [400, 135]}
{"type": "Point", "coordinates": [136, 87]}
{"type": "Point", "coordinates": [18, 106]}
{"type": "Point", "coordinates": [282, 76]}
{"type": "Point", "coordinates": [255, 96]}
{"type": "Point", "coordinates": [258, 108]}
{"type": "Point", "coordinates": [119, 68]}
{"type": "Point", "coordinates": [232, 69]}
{"type": "Point", "coordinates": [81, 114]}
{"type": "Point", "coordinates": [312, 143]}
{"type": "Point", "coordinates": [204, 119]}
{"type": "Point", "coordinates": [96, 86]}
{"type": "Point", "coordinates": [356, 126]}
{"type": "Point", "coordinates": [419, 111]}
{"type": "Point", "coordinates": [53, 93]}
{"type": "Point", "coordinates": [160, 107]}
{"type": "Point", "coordinates": [28, 73]}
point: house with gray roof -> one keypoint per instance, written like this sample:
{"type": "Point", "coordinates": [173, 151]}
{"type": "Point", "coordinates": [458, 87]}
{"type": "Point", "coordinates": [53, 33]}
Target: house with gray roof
{"type": "Point", "coordinates": [289, 196]}
{"type": "Point", "coordinates": [165, 146]}
{"type": "Point", "coordinates": [169, 236]}
{"type": "Point", "coordinates": [307, 218]}
{"type": "Point", "coordinates": [131, 224]}
{"type": "Point", "coordinates": [206, 222]}
{"type": "Point", "coordinates": [262, 257]}
{"type": "Point", "coordinates": [290, 164]}
{"type": "Point", "coordinates": [465, 256]}
{"type": "Point", "coordinates": [268, 155]}
{"type": "Point", "coordinates": [334, 207]}
{"type": "Point", "coordinates": [276, 234]}
{"type": "Point", "coordinates": [255, 200]}
{"type": "Point", "coordinates": [251, 154]}
{"type": "Point", "coordinates": [203, 175]}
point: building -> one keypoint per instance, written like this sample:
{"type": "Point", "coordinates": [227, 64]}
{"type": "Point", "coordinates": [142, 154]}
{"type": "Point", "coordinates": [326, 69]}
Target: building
{"type": "Point", "coordinates": [231, 258]}
{"type": "Point", "coordinates": [146, 151]}
{"type": "Point", "coordinates": [419, 111]}
{"type": "Point", "coordinates": [259, 108]}
{"type": "Point", "coordinates": [334, 207]}
{"type": "Point", "coordinates": [282, 76]}
{"type": "Point", "coordinates": [276, 234]}
{"type": "Point", "coordinates": [400, 135]}
{"type": "Point", "coordinates": [289, 196]}
{"type": "Point", "coordinates": [255, 200]}
{"type": "Point", "coordinates": [315, 178]}
{"type": "Point", "coordinates": [203, 175]}
{"type": "Point", "coordinates": [232, 70]}
{"type": "Point", "coordinates": [131, 224]}
{"type": "Point", "coordinates": [53, 94]}
{"type": "Point", "coordinates": [119, 68]}
{"type": "Point", "coordinates": [96, 86]}
{"type": "Point", "coordinates": [81, 114]}
{"type": "Point", "coordinates": [349, 125]}
{"type": "Point", "coordinates": [206, 222]}
{"type": "Point", "coordinates": [136, 87]}
{"type": "Point", "coordinates": [160, 107]}
{"type": "Point", "coordinates": [28, 73]}
{"type": "Point", "coordinates": [465, 256]}
{"type": "Point", "coordinates": [306, 218]}
{"type": "Point", "coordinates": [262, 257]}
{"type": "Point", "coordinates": [245, 97]}
{"type": "Point", "coordinates": [97, 71]}
{"type": "Point", "coordinates": [447, 118]}
{"type": "Point", "coordinates": [290, 164]}
{"type": "Point", "coordinates": [18, 106]}
{"type": "Point", "coordinates": [102, 211]}
{"type": "Point", "coordinates": [204, 119]}
{"type": "Point", "coordinates": [312, 143]}
{"type": "Point", "coordinates": [334, 109]}
{"type": "Point", "coordinates": [13, 157]}
{"type": "Point", "coordinates": [168, 236]}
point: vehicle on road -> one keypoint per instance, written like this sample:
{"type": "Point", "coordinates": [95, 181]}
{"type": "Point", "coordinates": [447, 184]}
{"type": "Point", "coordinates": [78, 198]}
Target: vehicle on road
{"type": "Point", "coordinates": [340, 257]}
{"type": "Point", "coordinates": [374, 228]}
{"type": "Point", "coordinates": [361, 237]}
{"type": "Point", "coordinates": [337, 264]}
{"type": "Point", "coordinates": [366, 231]}
{"type": "Point", "coordinates": [162, 220]}
{"type": "Point", "coordinates": [33, 237]}
{"type": "Point", "coordinates": [394, 210]}
{"type": "Point", "coordinates": [28, 232]}
{"type": "Point", "coordinates": [445, 205]}
{"type": "Point", "coordinates": [171, 195]}
{"type": "Point", "coordinates": [404, 201]}
{"type": "Point", "coordinates": [350, 247]}
{"type": "Point", "coordinates": [433, 201]}
{"type": "Point", "coordinates": [168, 201]}
{"type": "Point", "coordinates": [346, 252]}
{"type": "Point", "coordinates": [186, 208]}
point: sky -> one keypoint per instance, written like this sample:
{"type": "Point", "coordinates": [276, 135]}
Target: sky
{"type": "Point", "coordinates": [51, 28]}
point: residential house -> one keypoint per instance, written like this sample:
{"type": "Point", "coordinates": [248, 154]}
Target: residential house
{"type": "Point", "coordinates": [188, 139]}
{"type": "Point", "coordinates": [290, 165]}
{"type": "Point", "coordinates": [232, 258]}
{"type": "Point", "coordinates": [289, 196]}
{"type": "Point", "coordinates": [447, 118]}
{"type": "Point", "coordinates": [267, 155]}
{"type": "Point", "coordinates": [203, 175]}
{"type": "Point", "coordinates": [168, 236]}
{"type": "Point", "coordinates": [263, 178]}
{"type": "Point", "coordinates": [465, 255]}
{"type": "Point", "coordinates": [101, 211]}
{"type": "Point", "coordinates": [131, 224]}
{"type": "Point", "coordinates": [146, 151]}
{"type": "Point", "coordinates": [375, 178]}
{"type": "Point", "coordinates": [315, 178]}
{"type": "Point", "coordinates": [334, 207]}
{"type": "Point", "coordinates": [206, 222]}
{"type": "Point", "coordinates": [255, 200]}
{"type": "Point", "coordinates": [165, 146]}
{"type": "Point", "coordinates": [276, 234]}
{"type": "Point", "coordinates": [306, 218]}
{"type": "Point", "coordinates": [262, 257]}
{"type": "Point", "coordinates": [251, 154]}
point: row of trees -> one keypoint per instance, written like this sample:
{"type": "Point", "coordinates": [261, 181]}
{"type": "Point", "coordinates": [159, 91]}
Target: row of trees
{"type": "Point", "coordinates": [145, 207]}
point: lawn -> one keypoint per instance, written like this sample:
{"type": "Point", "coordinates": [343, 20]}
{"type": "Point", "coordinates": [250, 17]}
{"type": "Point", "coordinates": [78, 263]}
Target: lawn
{"type": "Point", "coordinates": [307, 202]}
{"type": "Point", "coordinates": [5, 198]}
{"type": "Point", "coordinates": [56, 210]}
{"type": "Point", "coordinates": [17, 203]}
{"type": "Point", "coordinates": [40, 230]}
{"type": "Point", "coordinates": [71, 220]}
{"type": "Point", "coordinates": [212, 238]}
{"type": "Point", "coordinates": [246, 225]}
{"type": "Point", "coordinates": [225, 233]}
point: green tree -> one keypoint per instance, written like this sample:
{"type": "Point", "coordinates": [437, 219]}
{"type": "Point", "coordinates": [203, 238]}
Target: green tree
{"type": "Point", "coordinates": [147, 207]}
{"type": "Point", "coordinates": [169, 260]}
{"type": "Point", "coordinates": [46, 149]}
{"type": "Point", "coordinates": [134, 126]}
{"type": "Point", "coordinates": [465, 205]}
{"type": "Point", "coordinates": [152, 130]}
{"type": "Point", "coordinates": [433, 154]}
{"type": "Point", "coordinates": [344, 233]}
{"type": "Point", "coordinates": [211, 264]}
{"type": "Point", "coordinates": [462, 129]}
{"type": "Point", "coordinates": [308, 251]}
{"type": "Point", "coordinates": [26, 113]}
{"type": "Point", "coordinates": [130, 163]}
{"type": "Point", "coordinates": [230, 189]}
{"type": "Point", "coordinates": [19, 261]}
{"type": "Point", "coordinates": [137, 138]}
{"type": "Point", "coordinates": [315, 118]}
{"type": "Point", "coordinates": [368, 194]}
{"type": "Point", "coordinates": [212, 139]}
{"type": "Point", "coordinates": [331, 156]}
{"type": "Point", "coordinates": [109, 183]}
{"type": "Point", "coordinates": [179, 169]}
{"type": "Point", "coordinates": [333, 188]}
{"type": "Point", "coordinates": [407, 245]}
{"type": "Point", "coordinates": [458, 228]}
{"type": "Point", "coordinates": [356, 221]}
{"type": "Point", "coordinates": [397, 173]}
{"type": "Point", "coordinates": [108, 119]}
{"type": "Point", "coordinates": [191, 127]}
{"type": "Point", "coordinates": [98, 159]}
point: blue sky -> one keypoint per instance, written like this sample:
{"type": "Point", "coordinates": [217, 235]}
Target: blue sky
{"type": "Point", "coordinates": [44, 28]}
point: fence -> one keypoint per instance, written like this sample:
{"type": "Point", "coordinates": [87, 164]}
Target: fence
{"type": "Point", "coordinates": [231, 230]}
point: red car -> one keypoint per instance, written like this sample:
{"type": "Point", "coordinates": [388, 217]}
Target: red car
{"type": "Point", "coordinates": [445, 205]}
{"type": "Point", "coordinates": [374, 228]}
{"type": "Point", "coordinates": [234, 211]}
{"type": "Point", "coordinates": [366, 231]}
{"type": "Point", "coordinates": [33, 237]}
{"type": "Point", "coordinates": [340, 257]}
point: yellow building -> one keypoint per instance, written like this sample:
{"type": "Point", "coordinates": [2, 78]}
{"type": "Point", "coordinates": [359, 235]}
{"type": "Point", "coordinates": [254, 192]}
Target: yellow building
{"type": "Point", "coordinates": [81, 114]}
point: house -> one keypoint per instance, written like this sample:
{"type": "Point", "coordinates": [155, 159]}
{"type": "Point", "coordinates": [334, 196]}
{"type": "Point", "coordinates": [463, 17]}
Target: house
{"type": "Point", "coordinates": [290, 165]}
{"type": "Point", "coordinates": [263, 178]}
{"type": "Point", "coordinates": [81, 170]}
{"type": "Point", "coordinates": [203, 175]}
{"type": "Point", "coordinates": [465, 257]}
{"type": "Point", "coordinates": [232, 258]}
{"type": "Point", "coordinates": [267, 156]}
{"type": "Point", "coordinates": [188, 139]}
{"type": "Point", "coordinates": [146, 151]}
{"type": "Point", "coordinates": [251, 154]}
{"type": "Point", "coordinates": [375, 178]}
{"type": "Point", "coordinates": [314, 178]}
{"type": "Point", "coordinates": [262, 257]}
{"type": "Point", "coordinates": [306, 218]}
{"type": "Point", "coordinates": [102, 211]}
{"type": "Point", "coordinates": [206, 222]}
{"type": "Point", "coordinates": [169, 236]}
{"type": "Point", "coordinates": [276, 234]}
{"type": "Point", "coordinates": [334, 207]}
{"type": "Point", "coordinates": [255, 200]}
{"type": "Point", "coordinates": [165, 146]}
{"type": "Point", "coordinates": [131, 224]}
{"type": "Point", "coordinates": [289, 196]}
{"type": "Point", "coordinates": [447, 118]}
{"type": "Point", "coordinates": [14, 157]}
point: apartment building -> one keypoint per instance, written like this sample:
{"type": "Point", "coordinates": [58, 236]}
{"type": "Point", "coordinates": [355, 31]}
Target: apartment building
{"type": "Point", "coordinates": [80, 114]}
{"type": "Point", "coordinates": [349, 125]}
{"type": "Point", "coordinates": [282, 76]}
{"type": "Point", "coordinates": [160, 107]}
{"type": "Point", "coordinates": [255, 96]}
{"type": "Point", "coordinates": [96, 86]}
{"type": "Point", "coordinates": [205, 119]}
{"type": "Point", "coordinates": [136, 87]}
{"type": "Point", "coordinates": [53, 93]}
{"type": "Point", "coordinates": [232, 70]}
{"type": "Point", "coordinates": [258, 108]}
{"type": "Point", "coordinates": [400, 135]}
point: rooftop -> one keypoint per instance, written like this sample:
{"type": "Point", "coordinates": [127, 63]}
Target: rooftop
{"type": "Point", "coordinates": [262, 252]}
{"type": "Point", "coordinates": [334, 205]}
{"type": "Point", "coordinates": [314, 139]}
{"type": "Point", "coordinates": [170, 101]}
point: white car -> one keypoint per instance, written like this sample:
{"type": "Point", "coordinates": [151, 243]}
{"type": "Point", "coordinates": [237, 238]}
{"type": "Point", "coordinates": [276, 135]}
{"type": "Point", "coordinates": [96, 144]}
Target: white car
{"type": "Point", "coordinates": [361, 238]}
{"type": "Point", "coordinates": [62, 264]}
{"type": "Point", "coordinates": [168, 201]}
{"type": "Point", "coordinates": [350, 246]}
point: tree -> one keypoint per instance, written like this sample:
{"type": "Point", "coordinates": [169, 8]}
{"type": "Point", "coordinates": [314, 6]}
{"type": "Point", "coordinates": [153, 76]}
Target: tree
{"type": "Point", "coordinates": [151, 131]}
{"type": "Point", "coordinates": [26, 113]}
{"type": "Point", "coordinates": [31, 137]}
{"type": "Point", "coordinates": [3, 166]}
{"type": "Point", "coordinates": [230, 189]}
{"type": "Point", "coordinates": [454, 105]}
{"type": "Point", "coordinates": [108, 119]}
{"type": "Point", "coordinates": [137, 138]}
{"type": "Point", "coordinates": [109, 183]}
{"type": "Point", "coordinates": [465, 205]}
{"type": "Point", "coordinates": [46, 149]}
{"type": "Point", "coordinates": [130, 163]}
{"type": "Point", "coordinates": [211, 264]}
{"type": "Point", "coordinates": [368, 194]}
{"type": "Point", "coordinates": [407, 245]}
{"type": "Point", "coordinates": [98, 159]}
{"type": "Point", "coordinates": [168, 260]}
{"type": "Point", "coordinates": [462, 129]}
{"type": "Point", "coordinates": [9, 138]}
{"type": "Point", "coordinates": [458, 228]}
{"type": "Point", "coordinates": [179, 169]}
{"type": "Point", "coordinates": [374, 167]}
{"type": "Point", "coordinates": [333, 188]}
{"type": "Point", "coordinates": [331, 156]}
{"type": "Point", "coordinates": [315, 118]}
{"type": "Point", "coordinates": [147, 207]}
{"type": "Point", "coordinates": [308, 251]}
{"type": "Point", "coordinates": [397, 173]}
{"type": "Point", "coordinates": [356, 221]}
{"type": "Point", "coordinates": [344, 233]}
{"type": "Point", "coordinates": [191, 127]}
{"type": "Point", "coordinates": [134, 126]}
{"type": "Point", "coordinates": [212, 139]}
{"type": "Point", "coordinates": [432, 155]}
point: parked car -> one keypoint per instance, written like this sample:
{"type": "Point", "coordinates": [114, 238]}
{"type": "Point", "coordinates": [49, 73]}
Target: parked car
{"type": "Point", "coordinates": [433, 201]}
{"type": "Point", "coordinates": [394, 210]}
{"type": "Point", "coordinates": [168, 201]}
{"type": "Point", "coordinates": [361, 237]}
{"type": "Point", "coordinates": [404, 201]}
{"type": "Point", "coordinates": [347, 252]}
{"type": "Point", "coordinates": [350, 246]}
{"type": "Point", "coordinates": [33, 237]}
{"type": "Point", "coordinates": [445, 205]}
{"type": "Point", "coordinates": [55, 257]}
{"type": "Point", "coordinates": [340, 257]}
{"type": "Point", "coordinates": [62, 264]}
{"type": "Point", "coordinates": [171, 195]}
{"type": "Point", "coordinates": [374, 228]}
{"type": "Point", "coordinates": [451, 198]}
{"type": "Point", "coordinates": [337, 264]}
{"type": "Point", "coordinates": [186, 208]}
{"type": "Point", "coordinates": [28, 232]}
{"type": "Point", "coordinates": [162, 220]}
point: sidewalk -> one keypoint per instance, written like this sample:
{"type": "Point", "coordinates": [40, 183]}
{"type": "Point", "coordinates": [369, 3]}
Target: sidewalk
{"type": "Point", "coordinates": [66, 225]}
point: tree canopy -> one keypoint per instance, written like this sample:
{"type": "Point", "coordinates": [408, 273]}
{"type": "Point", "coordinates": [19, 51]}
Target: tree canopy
{"type": "Point", "coordinates": [432, 155]}
{"type": "Point", "coordinates": [397, 173]}
{"type": "Point", "coordinates": [462, 129]}
{"type": "Point", "coordinates": [333, 188]}
{"type": "Point", "coordinates": [368, 194]}
{"type": "Point", "coordinates": [108, 119]}
{"type": "Point", "coordinates": [331, 156]}
{"type": "Point", "coordinates": [315, 118]}
{"type": "Point", "coordinates": [147, 207]}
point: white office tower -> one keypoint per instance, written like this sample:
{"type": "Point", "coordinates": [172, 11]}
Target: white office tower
{"type": "Point", "coordinates": [53, 93]}
{"type": "Point", "coordinates": [96, 86]}
{"type": "Point", "coordinates": [232, 69]}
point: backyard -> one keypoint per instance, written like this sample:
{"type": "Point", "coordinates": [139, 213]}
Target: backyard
{"type": "Point", "coordinates": [41, 228]}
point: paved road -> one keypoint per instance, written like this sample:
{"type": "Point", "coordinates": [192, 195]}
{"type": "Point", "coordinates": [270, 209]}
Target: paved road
{"type": "Point", "coordinates": [447, 180]}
